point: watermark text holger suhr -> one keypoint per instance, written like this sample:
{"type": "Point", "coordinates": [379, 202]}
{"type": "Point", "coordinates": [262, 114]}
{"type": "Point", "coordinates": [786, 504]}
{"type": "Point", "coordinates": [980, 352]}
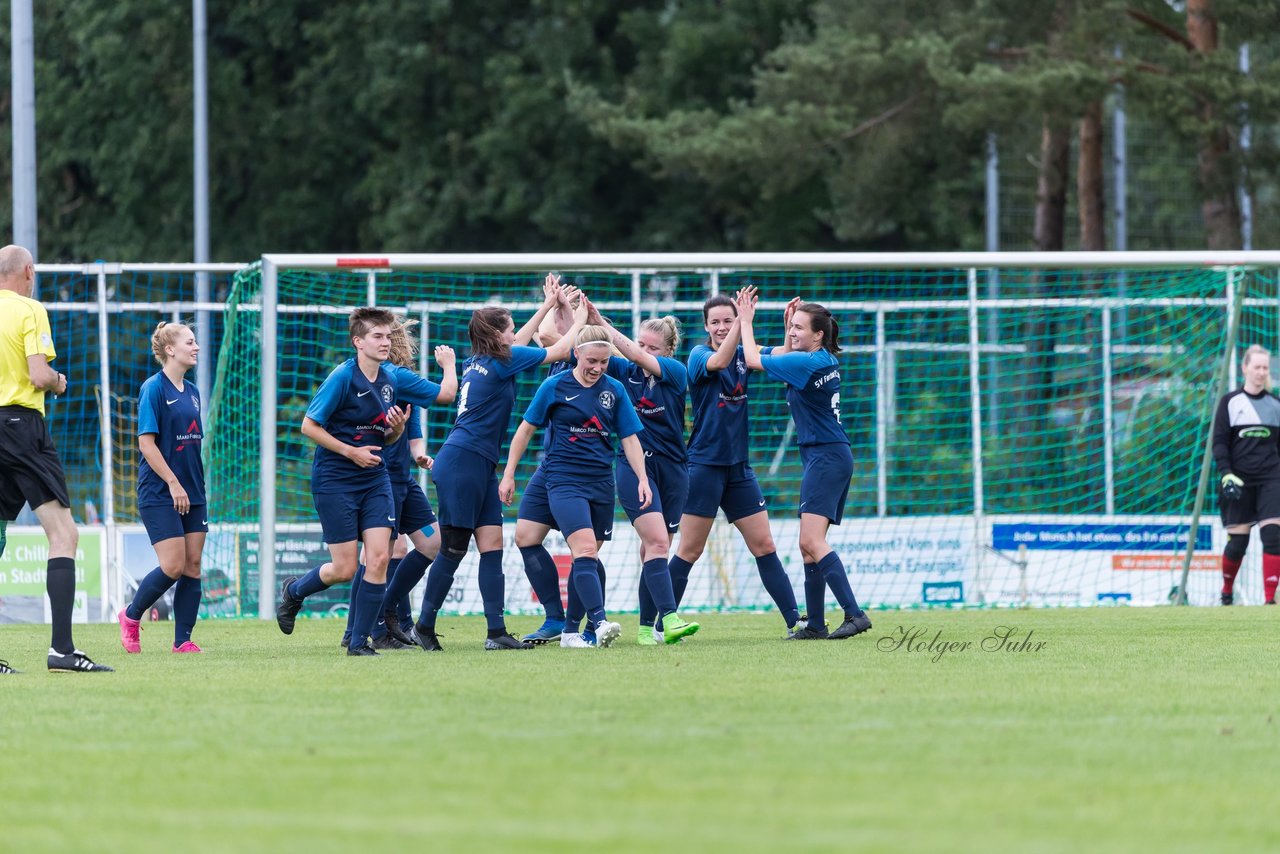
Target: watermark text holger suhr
{"type": "Point", "coordinates": [1008, 640]}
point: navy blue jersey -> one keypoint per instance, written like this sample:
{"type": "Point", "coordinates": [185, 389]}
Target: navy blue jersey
{"type": "Point", "coordinates": [397, 456]}
{"type": "Point", "coordinates": [813, 393]}
{"type": "Point", "coordinates": [486, 396]}
{"type": "Point", "coordinates": [659, 401]}
{"type": "Point", "coordinates": [556, 367]}
{"type": "Point", "coordinates": [588, 425]}
{"type": "Point", "coordinates": [720, 428]}
{"type": "Point", "coordinates": [174, 417]}
{"type": "Point", "coordinates": [354, 411]}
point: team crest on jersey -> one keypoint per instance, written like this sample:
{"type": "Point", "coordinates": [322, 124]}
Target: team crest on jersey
{"type": "Point", "coordinates": [652, 382]}
{"type": "Point", "coordinates": [742, 368]}
{"type": "Point", "coordinates": [388, 393]}
{"type": "Point", "coordinates": [606, 399]}
{"type": "Point", "coordinates": [195, 401]}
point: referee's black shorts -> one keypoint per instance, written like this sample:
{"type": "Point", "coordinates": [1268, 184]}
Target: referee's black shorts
{"type": "Point", "coordinates": [1254, 504]}
{"type": "Point", "coordinates": [30, 470]}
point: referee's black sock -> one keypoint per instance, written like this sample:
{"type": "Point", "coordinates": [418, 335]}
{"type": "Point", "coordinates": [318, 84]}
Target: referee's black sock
{"type": "Point", "coordinates": [60, 583]}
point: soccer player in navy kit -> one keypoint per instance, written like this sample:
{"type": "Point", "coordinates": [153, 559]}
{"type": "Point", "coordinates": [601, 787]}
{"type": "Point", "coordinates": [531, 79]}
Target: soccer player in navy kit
{"type": "Point", "coordinates": [171, 497]}
{"type": "Point", "coordinates": [591, 417]}
{"type": "Point", "coordinates": [656, 384]}
{"type": "Point", "coordinates": [719, 475]}
{"type": "Point", "coordinates": [807, 364]}
{"type": "Point", "coordinates": [414, 516]}
{"type": "Point", "coordinates": [1246, 436]}
{"type": "Point", "coordinates": [465, 466]}
{"type": "Point", "coordinates": [351, 418]}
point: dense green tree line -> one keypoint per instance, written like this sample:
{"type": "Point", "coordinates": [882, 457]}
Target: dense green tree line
{"type": "Point", "coordinates": [582, 125]}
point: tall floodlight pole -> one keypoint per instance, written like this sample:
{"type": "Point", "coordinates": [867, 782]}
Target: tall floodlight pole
{"type": "Point", "coordinates": [23, 60]}
{"type": "Point", "coordinates": [200, 109]}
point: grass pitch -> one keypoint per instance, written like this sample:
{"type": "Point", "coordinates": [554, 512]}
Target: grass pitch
{"type": "Point", "coordinates": [1126, 730]}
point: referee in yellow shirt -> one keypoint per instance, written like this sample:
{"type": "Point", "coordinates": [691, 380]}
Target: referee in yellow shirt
{"type": "Point", "coordinates": [30, 470]}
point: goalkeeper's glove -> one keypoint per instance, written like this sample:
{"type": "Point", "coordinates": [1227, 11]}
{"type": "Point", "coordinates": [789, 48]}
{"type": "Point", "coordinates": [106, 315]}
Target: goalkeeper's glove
{"type": "Point", "coordinates": [1232, 487]}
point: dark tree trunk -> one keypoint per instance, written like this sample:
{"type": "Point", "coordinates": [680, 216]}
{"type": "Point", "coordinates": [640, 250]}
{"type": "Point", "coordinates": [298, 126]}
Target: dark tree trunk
{"type": "Point", "coordinates": [1220, 208]}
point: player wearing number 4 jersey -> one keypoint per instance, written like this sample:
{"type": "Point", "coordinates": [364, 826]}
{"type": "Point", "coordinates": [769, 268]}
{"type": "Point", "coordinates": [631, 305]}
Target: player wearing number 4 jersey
{"type": "Point", "coordinates": [1246, 436]}
{"type": "Point", "coordinates": [464, 470]}
{"type": "Point", "coordinates": [807, 364]}
{"type": "Point", "coordinates": [171, 498]}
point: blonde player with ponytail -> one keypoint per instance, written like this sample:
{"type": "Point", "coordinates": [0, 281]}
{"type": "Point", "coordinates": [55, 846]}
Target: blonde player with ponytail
{"type": "Point", "coordinates": [171, 497]}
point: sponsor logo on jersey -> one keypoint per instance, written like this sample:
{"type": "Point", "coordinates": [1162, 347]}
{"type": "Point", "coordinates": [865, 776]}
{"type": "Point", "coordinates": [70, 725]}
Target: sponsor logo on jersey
{"type": "Point", "coordinates": [590, 427]}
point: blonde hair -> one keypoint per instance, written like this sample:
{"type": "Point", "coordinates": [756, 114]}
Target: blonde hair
{"type": "Point", "coordinates": [668, 327]}
{"type": "Point", "coordinates": [165, 335]}
{"type": "Point", "coordinates": [1254, 350]}
{"type": "Point", "coordinates": [404, 347]}
{"type": "Point", "coordinates": [592, 335]}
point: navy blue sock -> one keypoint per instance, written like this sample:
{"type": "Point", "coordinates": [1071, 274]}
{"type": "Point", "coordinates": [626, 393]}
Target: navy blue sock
{"type": "Point", "coordinates": [493, 590]}
{"type": "Point", "coordinates": [399, 604]}
{"type": "Point", "coordinates": [573, 612]}
{"type": "Point", "coordinates": [658, 579]}
{"type": "Point", "coordinates": [307, 584]}
{"type": "Point", "coordinates": [540, 569]}
{"type": "Point", "coordinates": [186, 608]}
{"type": "Point", "coordinates": [367, 607]}
{"type": "Point", "coordinates": [648, 610]}
{"type": "Point", "coordinates": [356, 581]}
{"type": "Point", "coordinates": [408, 573]}
{"type": "Point", "coordinates": [150, 589]}
{"type": "Point", "coordinates": [439, 580]}
{"type": "Point", "coordinates": [586, 575]}
{"type": "Point", "coordinates": [779, 586]}
{"type": "Point", "coordinates": [680, 569]}
{"type": "Point", "coordinates": [815, 596]}
{"type": "Point", "coordinates": [600, 573]}
{"type": "Point", "coordinates": [832, 569]}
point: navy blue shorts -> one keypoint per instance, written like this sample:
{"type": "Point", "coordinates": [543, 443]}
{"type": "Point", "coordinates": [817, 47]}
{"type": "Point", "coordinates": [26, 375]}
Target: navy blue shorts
{"type": "Point", "coordinates": [413, 509]}
{"type": "Point", "coordinates": [466, 489]}
{"type": "Point", "coordinates": [535, 505]}
{"type": "Point", "coordinates": [734, 489]}
{"type": "Point", "coordinates": [668, 481]}
{"type": "Point", "coordinates": [582, 504]}
{"type": "Point", "coordinates": [824, 486]}
{"type": "Point", "coordinates": [164, 523]}
{"type": "Point", "coordinates": [344, 516]}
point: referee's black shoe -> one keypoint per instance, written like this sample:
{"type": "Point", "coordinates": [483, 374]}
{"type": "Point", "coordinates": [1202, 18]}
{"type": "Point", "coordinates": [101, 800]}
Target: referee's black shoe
{"type": "Point", "coordinates": [75, 662]}
{"type": "Point", "coordinates": [425, 639]}
{"type": "Point", "coordinates": [5, 668]}
{"type": "Point", "coordinates": [851, 626]}
{"type": "Point", "coordinates": [288, 607]}
{"type": "Point", "coordinates": [363, 649]}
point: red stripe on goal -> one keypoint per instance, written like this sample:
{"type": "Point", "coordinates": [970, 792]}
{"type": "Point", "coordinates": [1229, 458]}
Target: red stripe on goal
{"type": "Point", "coordinates": [364, 262]}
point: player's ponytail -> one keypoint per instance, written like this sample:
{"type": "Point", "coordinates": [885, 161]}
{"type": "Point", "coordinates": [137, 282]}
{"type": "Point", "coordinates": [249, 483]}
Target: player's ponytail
{"type": "Point", "coordinates": [669, 328]}
{"type": "Point", "coordinates": [164, 335]}
{"type": "Point", "coordinates": [485, 330]}
{"type": "Point", "coordinates": [822, 320]}
{"type": "Point", "coordinates": [404, 347]}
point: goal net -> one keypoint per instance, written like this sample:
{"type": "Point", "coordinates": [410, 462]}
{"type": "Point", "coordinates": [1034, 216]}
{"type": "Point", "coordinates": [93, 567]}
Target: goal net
{"type": "Point", "coordinates": [1021, 434]}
